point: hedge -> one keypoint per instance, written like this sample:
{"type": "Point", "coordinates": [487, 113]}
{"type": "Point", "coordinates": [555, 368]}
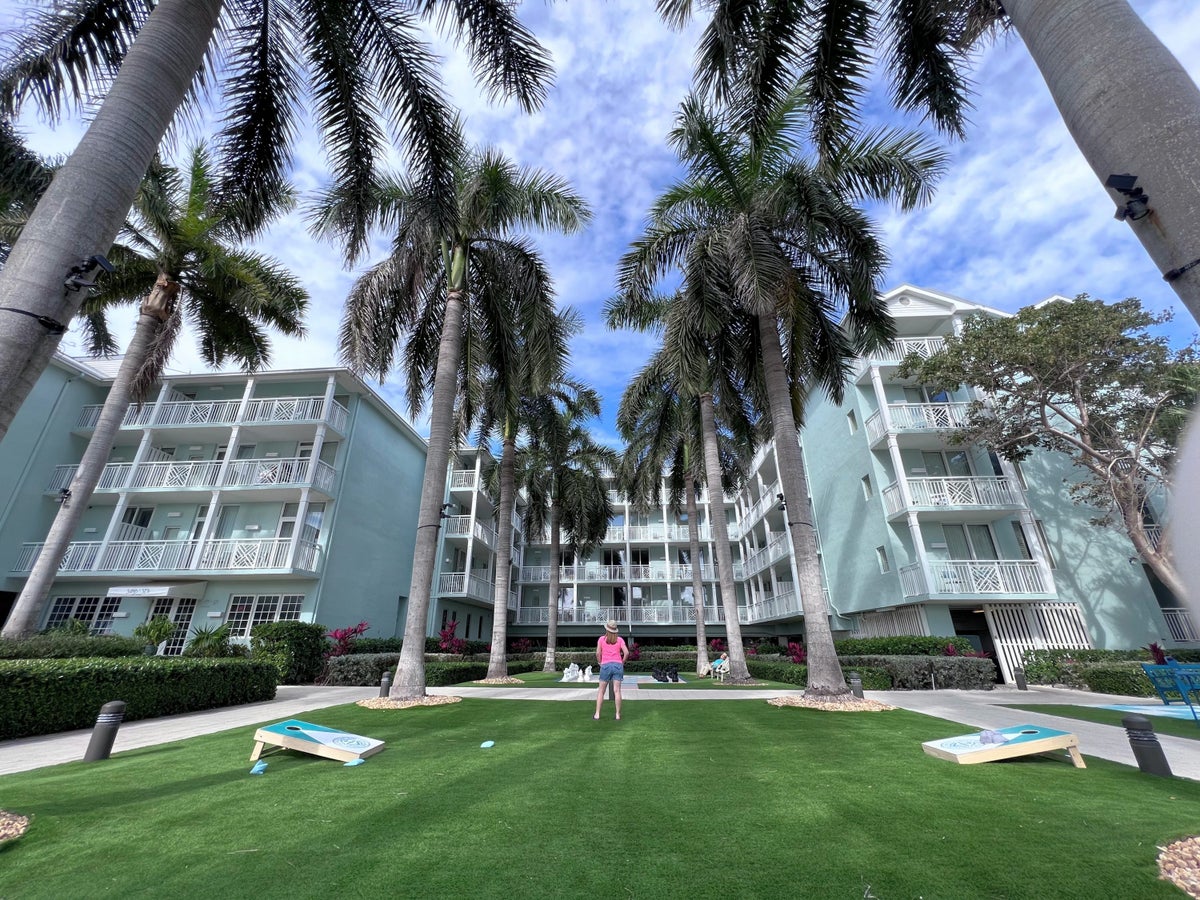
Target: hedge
{"type": "Point", "coordinates": [64, 645]}
{"type": "Point", "coordinates": [368, 669]}
{"type": "Point", "coordinates": [873, 679]}
{"type": "Point", "coordinates": [296, 649]}
{"type": "Point", "coordinates": [1116, 678]}
{"type": "Point", "coordinates": [903, 645]}
{"type": "Point", "coordinates": [45, 696]}
{"type": "Point", "coordinates": [915, 673]}
{"type": "Point", "coordinates": [1063, 666]}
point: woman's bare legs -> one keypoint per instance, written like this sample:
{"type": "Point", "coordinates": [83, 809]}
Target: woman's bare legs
{"type": "Point", "coordinates": [600, 698]}
{"type": "Point", "coordinates": [616, 683]}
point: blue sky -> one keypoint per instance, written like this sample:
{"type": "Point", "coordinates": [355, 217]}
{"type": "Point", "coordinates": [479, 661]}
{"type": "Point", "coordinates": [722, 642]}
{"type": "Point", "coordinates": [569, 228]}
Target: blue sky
{"type": "Point", "coordinates": [1018, 217]}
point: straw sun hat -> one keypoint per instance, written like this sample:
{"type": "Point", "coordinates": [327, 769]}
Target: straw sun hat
{"type": "Point", "coordinates": [611, 626]}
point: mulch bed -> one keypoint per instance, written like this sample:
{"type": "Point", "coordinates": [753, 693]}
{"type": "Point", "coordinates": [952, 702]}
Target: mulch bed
{"type": "Point", "coordinates": [1179, 863]}
{"type": "Point", "coordinates": [386, 703]}
{"type": "Point", "coordinates": [12, 826]}
{"type": "Point", "coordinates": [852, 705]}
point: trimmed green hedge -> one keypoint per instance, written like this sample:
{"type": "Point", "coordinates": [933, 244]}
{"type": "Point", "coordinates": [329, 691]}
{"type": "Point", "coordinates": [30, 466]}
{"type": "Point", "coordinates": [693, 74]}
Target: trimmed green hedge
{"type": "Point", "coordinates": [65, 645]}
{"type": "Point", "coordinates": [368, 669]}
{"type": "Point", "coordinates": [1116, 678]}
{"type": "Point", "coordinates": [873, 679]}
{"type": "Point", "coordinates": [45, 696]}
{"type": "Point", "coordinates": [296, 649]}
{"type": "Point", "coordinates": [1065, 666]}
{"type": "Point", "coordinates": [903, 645]}
{"type": "Point", "coordinates": [916, 673]}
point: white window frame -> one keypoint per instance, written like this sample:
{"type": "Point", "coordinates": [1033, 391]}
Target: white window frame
{"type": "Point", "coordinates": [97, 612]}
{"type": "Point", "coordinates": [244, 611]}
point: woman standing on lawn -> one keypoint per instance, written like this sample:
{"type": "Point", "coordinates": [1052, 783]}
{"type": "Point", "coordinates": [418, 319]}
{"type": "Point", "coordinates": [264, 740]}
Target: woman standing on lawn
{"type": "Point", "coordinates": [610, 654]}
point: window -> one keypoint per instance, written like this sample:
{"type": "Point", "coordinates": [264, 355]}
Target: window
{"type": "Point", "coordinates": [467, 630]}
{"type": "Point", "coordinates": [866, 487]}
{"type": "Point", "coordinates": [852, 422]}
{"type": "Point", "coordinates": [881, 557]}
{"type": "Point", "coordinates": [180, 612]}
{"type": "Point", "coordinates": [1022, 542]}
{"type": "Point", "coordinates": [1041, 533]}
{"type": "Point", "coordinates": [479, 629]}
{"type": "Point", "coordinates": [96, 612]}
{"type": "Point", "coordinates": [248, 610]}
{"type": "Point", "coordinates": [445, 616]}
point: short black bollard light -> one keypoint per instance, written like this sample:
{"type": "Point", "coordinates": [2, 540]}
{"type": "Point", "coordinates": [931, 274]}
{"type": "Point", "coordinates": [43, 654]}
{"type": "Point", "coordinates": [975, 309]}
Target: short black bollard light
{"type": "Point", "coordinates": [856, 685]}
{"type": "Point", "coordinates": [385, 684]}
{"type": "Point", "coordinates": [1146, 749]}
{"type": "Point", "coordinates": [105, 732]}
{"type": "Point", "coordinates": [1019, 678]}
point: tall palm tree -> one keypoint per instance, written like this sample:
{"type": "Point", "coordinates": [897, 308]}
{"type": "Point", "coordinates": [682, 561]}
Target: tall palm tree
{"type": "Point", "coordinates": [781, 237]}
{"type": "Point", "coordinates": [371, 82]}
{"type": "Point", "coordinates": [665, 439]}
{"type": "Point", "coordinates": [437, 279]}
{"type": "Point", "coordinates": [180, 256]}
{"type": "Point", "coordinates": [23, 178]}
{"type": "Point", "coordinates": [517, 382]}
{"type": "Point", "coordinates": [1128, 103]}
{"type": "Point", "coordinates": [565, 476]}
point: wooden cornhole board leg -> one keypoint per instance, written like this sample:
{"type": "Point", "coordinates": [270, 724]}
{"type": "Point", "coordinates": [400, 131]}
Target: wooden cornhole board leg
{"type": "Point", "coordinates": [315, 739]}
{"type": "Point", "coordinates": [1023, 740]}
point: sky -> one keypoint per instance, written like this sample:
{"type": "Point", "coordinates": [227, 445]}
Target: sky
{"type": "Point", "coordinates": [1017, 218]}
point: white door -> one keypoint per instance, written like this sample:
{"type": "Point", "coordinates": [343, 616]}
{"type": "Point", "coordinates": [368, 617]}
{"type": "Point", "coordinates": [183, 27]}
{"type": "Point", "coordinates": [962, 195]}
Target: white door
{"type": "Point", "coordinates": [1018, 627]}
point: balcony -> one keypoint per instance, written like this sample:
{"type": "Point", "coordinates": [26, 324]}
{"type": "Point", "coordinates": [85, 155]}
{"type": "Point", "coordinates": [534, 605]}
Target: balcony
{"type": "Point", "coordinates": [232, 554]}
{"type": "Point", "coordinates": [205, 475]}
{"type": "Point", "coordinates": [225, 413]}
{"type": "Point", "coordinates": [961, 493]}
{"type": "Point", "coordinates": [923, 347]}
{"type": "Point", "coordinates": [776, 549]}
{"type": "Point", "coordinates": [1180, 625]}
{"type": "Point", "coordinates": [917, 418]}
{"type": "Point", "coordinates": [462, 480]}
{"type": "Point", "coordinates": [462, 526]}
{"type": "Point", "coordinates": [657, 571]}
{"type": "Point", "coordinates": [460, 584]}
{"type": "Point", "coordinates": [1003, 577]}
{"type": "Point", "coordinates": [784, 605]}
{"type": "Point", "coordinates": [630, 615]}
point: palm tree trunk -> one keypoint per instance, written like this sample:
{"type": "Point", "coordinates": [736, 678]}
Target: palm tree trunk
{"type": "Point", "coordinates": [689, 488]}
{"type": "Point", "coordinates": [27, 612]}
{"type": "Point", "coordinates": [1132, 109]}
{"type": "Point", "coordinates": [552, 600]}
{"type": "Point", "coordinates": [85, 204]}
{"type": "Point", "coordinates": [498, 660]}
{"type": "Point", "coordinates": [738, 671]}
{"type": "Point", "coordinates": [409, 683]}
{"type": "Point", "coordinates": [825, 678]}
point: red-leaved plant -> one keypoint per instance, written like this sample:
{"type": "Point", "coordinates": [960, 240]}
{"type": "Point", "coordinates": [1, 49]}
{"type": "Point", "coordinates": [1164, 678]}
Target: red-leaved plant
{"type": "Point", "coordinates": [635, 652]}
{"type": "Point", "coordinates": [797, 652]}
{"type": "Point", "coordinates": [952, 650]}
{"type": "Point", "coordinates": [522, 645]}
{"type": "Point", "coordinates": [716, 645]}
{"type": "Point", "coordinates": [344, 638]}
{"type": "Point", "coordinates": [449, 643]}
{"type": "Point", "coordinates": [1159, 655]}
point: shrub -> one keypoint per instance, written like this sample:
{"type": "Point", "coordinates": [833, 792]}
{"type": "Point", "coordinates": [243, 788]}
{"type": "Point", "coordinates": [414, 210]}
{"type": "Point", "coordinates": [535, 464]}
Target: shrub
{"type": "Point", "coordinates": [49, 695]}
{"type": "Point", "coordinates": [873, 679]}
{"type": "Point", "coordinates": [915, 673]}
{"type": "Point", "coordinates": [716, 645]}
{"type": "Point", "coordinates": [903, 645]}
{"type": "Point", "coordinates": [154, 632]}
{"type": "Point", "coordinates": [296, 649]}
{"type": "Point", "coordinates": [797, 653]}
{"type": "Point", "coordinates": [66, 645]}
{"type": "Point", "coordinates": [359, 668]}
{"type": "Point", "coordinates": [521, 645]}
{"type": "Point", "coordinates": [210, 643]}
{"type": "Point", "coordinates": [1062, 666]}
{"type": "Point", "coordinates": [377, 645]}
{"type": "Point", "coordinates": [344, 639]}
{"type": "Point", "coordinates": [1116, 678]}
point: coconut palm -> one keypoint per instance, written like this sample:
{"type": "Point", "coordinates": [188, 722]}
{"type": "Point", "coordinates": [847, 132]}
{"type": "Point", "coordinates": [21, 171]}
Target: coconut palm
{"type": "Point", "coordinates": [23, 177]}
{"type": "Point", "coordinates": [781, 237]}
{"type": "Point", "coordinates": [1128, 103]}
{"type": "Point", "coordinates": [565, 476]}
{"type": "Point", "coordinates": [180, 258]}
{"type": "Point", "coordinates": [437, 281]}
{"type": "Point", "coordinates": [523, 373]}
{"type": "Point", "coordinates": [362, 68]}
{"type": "Point", "coordinates": [663, 428]}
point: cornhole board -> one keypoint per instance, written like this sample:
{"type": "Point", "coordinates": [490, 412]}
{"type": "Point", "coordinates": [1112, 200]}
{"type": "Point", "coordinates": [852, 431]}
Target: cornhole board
{"type": "Point", "coordinates": [1023, 740]}
{"type": "Point", "coordinates": [318, 740]}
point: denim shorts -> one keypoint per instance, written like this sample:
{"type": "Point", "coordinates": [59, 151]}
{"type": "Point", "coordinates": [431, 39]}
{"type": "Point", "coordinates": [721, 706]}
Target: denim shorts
{"type": "Point", "coordinates": [612, 672]}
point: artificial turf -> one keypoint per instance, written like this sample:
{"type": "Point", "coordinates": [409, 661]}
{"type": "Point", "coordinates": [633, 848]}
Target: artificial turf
{"type": "Point", "coordinates": [693, 800]}
{"type": "Point", "coordinates": [1185, 728]}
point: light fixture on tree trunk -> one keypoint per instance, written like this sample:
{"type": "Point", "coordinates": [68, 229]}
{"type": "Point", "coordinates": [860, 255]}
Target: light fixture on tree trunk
{"type": "Point", "coordinates": [86, 271]}
{"type": "Point", "coordinates": [1137, 204]}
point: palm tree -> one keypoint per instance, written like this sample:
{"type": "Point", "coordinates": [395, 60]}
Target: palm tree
{"type": "Point", "coordinates": [1128, 103]}
{"type": "Point", "coordinates": [566, 479]}
{"type": "Point", "coordinates": [370, 79]}
{"type": "Point", "coordinates": [23, 178]}
{"type": "Point", "coordinates": [782, 239]}
{"type": "Point", "coordinates": [523, 373]}
{"type": "Point", "coordinates": [436, 281]}
{"type": "Point", "coordinates": [180, 256]}
{"type": "Point", "coordinates": [665, 438]}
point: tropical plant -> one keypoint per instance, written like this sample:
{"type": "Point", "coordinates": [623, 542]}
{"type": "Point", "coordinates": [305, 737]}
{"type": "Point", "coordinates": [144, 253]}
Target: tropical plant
{"type": "Point", "coordinates": [23, 178]}
{"type": "Point", "coordinates": [154, 631]}
{"type": "Point", "coordinates": [1137, 111]}
{"type": "Point", "coordinates": [210, 643]}
{"type": "Point", "coordinates": [782, 239]}
{"type": "Point", "coordinates": [179, 257]}
{"type": "Point", "coordinates": [1086, 379]}
{"type": "Point", "coordinates": [565, 477]}
{"type": "Point", "coordinates": [364, 66]}
{"type": "Point", "coordinates": [344, 639]}
{"type": "Point", "coordinates": [441, 281]}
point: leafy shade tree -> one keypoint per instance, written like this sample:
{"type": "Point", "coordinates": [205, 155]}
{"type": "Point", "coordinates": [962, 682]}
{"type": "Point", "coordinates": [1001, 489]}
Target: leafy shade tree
{"type": "Point", "coordinates": [369, 78]}
{"type": "Point", "coordinates": [517, 382]}
{"type": "Point", "coordinates": [782, 239]}
{"type": "Point", "coordinates": [1086, 379]}
{"type": "Point", "coordinates": [565, 477]}
{"type": "Point", "coordinates": [1128, 103]}
{"type": "Point", "coordinates": [179, 257]}
{"type": "Point", "coordinates": [438, 280]}
{"type": "Point", "coordinates": [663, 429]}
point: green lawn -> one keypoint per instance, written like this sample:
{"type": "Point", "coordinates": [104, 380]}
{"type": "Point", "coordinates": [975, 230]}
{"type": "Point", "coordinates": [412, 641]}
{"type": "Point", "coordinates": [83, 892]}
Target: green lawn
{"type": "Point", "coordinates": [553, 680]}
{"type": "Point", "coordinates": [691, 800]}
{"type": "Point", "coordinates": [1186, 728]}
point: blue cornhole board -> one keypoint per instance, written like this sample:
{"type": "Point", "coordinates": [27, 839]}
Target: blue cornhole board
{"type": "Point", "coordinates": [1022, 740]}
{"type": "Point", "coordinates": [318, 740]}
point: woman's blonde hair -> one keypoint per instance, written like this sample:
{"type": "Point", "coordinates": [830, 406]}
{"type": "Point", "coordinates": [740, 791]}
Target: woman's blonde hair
{"type": "Point", "coordinates": [610, 637]}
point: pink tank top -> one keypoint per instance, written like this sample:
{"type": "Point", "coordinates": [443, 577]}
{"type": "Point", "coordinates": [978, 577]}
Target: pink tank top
{"type": "Point", "coordinates": [610, 652]}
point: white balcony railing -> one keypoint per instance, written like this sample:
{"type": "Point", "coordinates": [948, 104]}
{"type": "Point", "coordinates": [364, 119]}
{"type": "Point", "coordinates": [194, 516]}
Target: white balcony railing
{"type": "Point", "coordinates": [923, 347]}
{"type": "Point", "coordinates": [273, 410]}
{"type": "Point", "coordinates": [462, 584]}
{"type": "Point", "coordinates": [205, 474]}
{"type": "Point", "coordinates": [1180, 625]}
{"type": "Point", "coordinates": [462, 480]}
{"type": "Point", "coordinates": [909, 417]}
{"type": "Point", "coordinates": [775, 550]}
{"type": "Point", "coordinates": [965, 491]}
{"type": "Point", "coordinates": [179, 556]}
{"type": "Point", "coordinates": [1007, 577]}
{"type": "Point", "coordinates": [785, 604]}
{"type": "Point", "coordinates": [461, 526]}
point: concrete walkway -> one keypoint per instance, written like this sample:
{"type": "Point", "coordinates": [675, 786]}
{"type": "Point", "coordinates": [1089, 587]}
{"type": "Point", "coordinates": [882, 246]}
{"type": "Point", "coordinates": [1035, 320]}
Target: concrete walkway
{"type": "Point", "coordinates": [974, 709]}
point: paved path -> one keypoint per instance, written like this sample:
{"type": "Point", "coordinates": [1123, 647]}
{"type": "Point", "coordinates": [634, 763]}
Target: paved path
{"type": "Point", "coordinates": [975, 709]}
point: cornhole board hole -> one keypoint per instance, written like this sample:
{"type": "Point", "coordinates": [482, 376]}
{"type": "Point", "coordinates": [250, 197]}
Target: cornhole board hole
{"type": "Point", "coordinates": [318, 740]}
{"type": "Point", "coordinates": [1023, 740]}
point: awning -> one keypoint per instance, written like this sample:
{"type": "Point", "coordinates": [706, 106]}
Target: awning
{"type": "Point", "coordinates": [192, 590]}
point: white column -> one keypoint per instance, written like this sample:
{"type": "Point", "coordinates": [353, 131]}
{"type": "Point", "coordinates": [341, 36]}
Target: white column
{"type": "Point", "coordinates": [298, 530]}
